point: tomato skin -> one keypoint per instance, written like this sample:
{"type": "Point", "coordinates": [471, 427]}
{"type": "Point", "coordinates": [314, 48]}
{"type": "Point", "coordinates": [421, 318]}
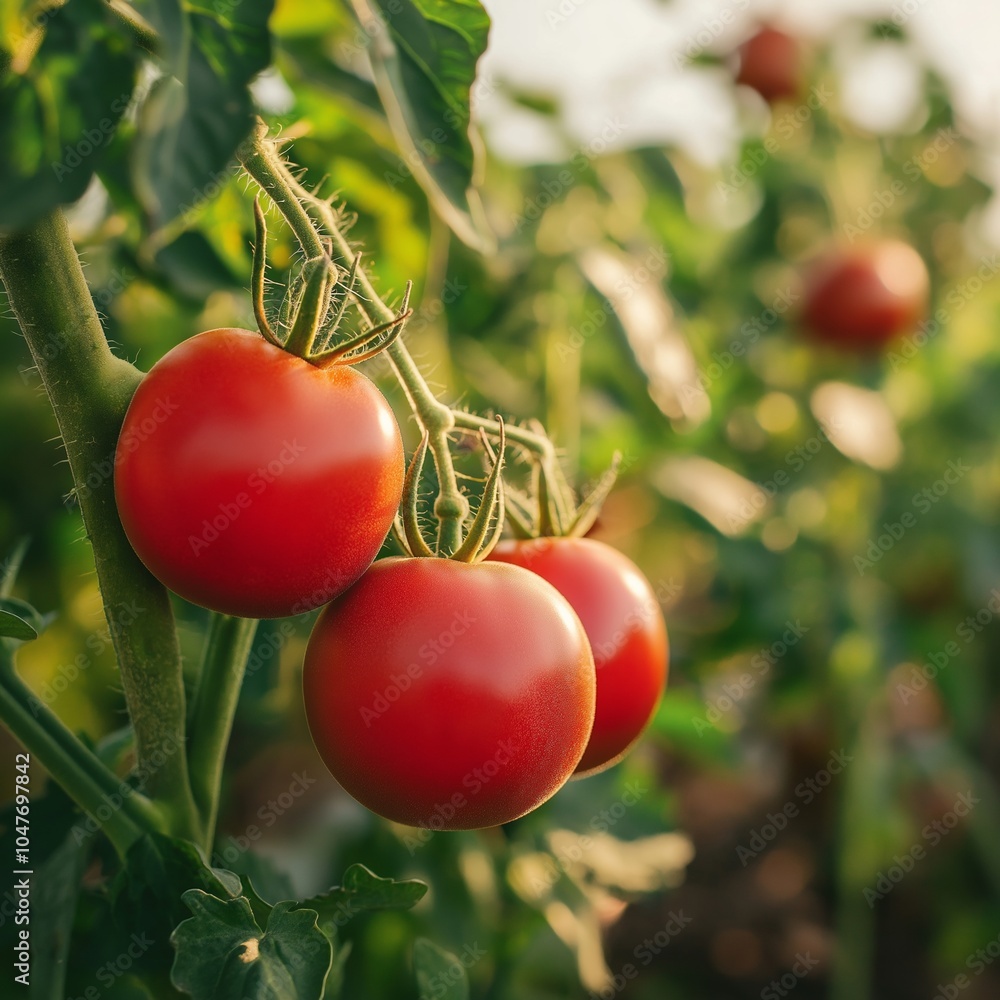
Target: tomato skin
{"type": "Point", "coordinates": [447, 695]}
{"type": "Point", "coordinates": [862, 297]}
{"type": "Point", "coordinates": [771, 64]}
{"type": "Point", "coordinates": [622, 618]}
{"type": "Point", "coordinates": [253, 483]}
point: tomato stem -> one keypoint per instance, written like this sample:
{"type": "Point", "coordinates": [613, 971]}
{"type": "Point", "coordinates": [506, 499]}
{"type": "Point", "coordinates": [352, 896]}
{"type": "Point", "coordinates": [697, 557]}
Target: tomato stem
{"type": "Point", "coordinates": [85, 779]}
{"type": "Point", "coordinates": [90, 389]}
{"type": "Point", "coordinates": [213, 711]}
{"type": "Point", "coordinates": [295, 203]}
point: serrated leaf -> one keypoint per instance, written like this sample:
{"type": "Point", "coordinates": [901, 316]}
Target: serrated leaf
{"type": "Point", "coordinates": [147, 893]}
{"type": "Point", "coordinates": [362, 891]}
{"type": "Point", "coordinates": [223, 954]}
{"type": "Point", "coordinates": [201, 109]}
{"type": "Point", "coordinates": [59, 111]}
{"type": "Point", "coordinates": [425, 66]}
{"type": "Point", "coordinates": [440, 974]}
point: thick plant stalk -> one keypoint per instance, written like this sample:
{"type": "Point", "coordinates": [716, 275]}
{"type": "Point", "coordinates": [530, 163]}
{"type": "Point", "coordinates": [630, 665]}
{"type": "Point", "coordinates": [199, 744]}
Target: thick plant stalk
{"type": "Point", "coordinates": [90, 389]}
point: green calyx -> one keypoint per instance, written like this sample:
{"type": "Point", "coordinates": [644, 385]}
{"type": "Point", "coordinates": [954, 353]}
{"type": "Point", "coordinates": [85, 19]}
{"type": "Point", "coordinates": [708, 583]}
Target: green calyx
{"type": "Point", "coordinates": [317, 307]}
{"type": "Point", "coordinates": [483, 533]}
{"type": "Point", "coordinates": [550, 508]}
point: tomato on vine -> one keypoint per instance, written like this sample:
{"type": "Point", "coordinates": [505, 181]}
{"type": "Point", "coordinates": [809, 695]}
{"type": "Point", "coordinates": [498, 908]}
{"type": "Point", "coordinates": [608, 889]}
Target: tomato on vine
{"type": "Point", "coordinates": [447, 695]}
{"type": "Point", "coordinates": [252, 482]}
{"type": "Point", "coordinates": [450, 693]}
{"type": "Point", "coordinates": [623, 621]}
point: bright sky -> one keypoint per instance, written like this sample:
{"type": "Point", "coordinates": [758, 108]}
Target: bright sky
{"type": "Point", "coordinates": [615, 61]}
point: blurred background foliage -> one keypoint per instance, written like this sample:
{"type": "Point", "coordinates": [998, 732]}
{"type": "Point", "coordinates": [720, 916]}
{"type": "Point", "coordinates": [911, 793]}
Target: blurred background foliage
{"type": "Point", "coordinates": [636, 301]}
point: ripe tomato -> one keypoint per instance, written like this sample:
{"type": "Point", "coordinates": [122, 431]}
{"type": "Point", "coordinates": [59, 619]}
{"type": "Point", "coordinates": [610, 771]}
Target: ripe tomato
{"type": "Point", "coordinates": [253, 483]}
{"type": "Point", "coordinates": [862, 297]}
{"type": "Point", "coordinates": [771, 63]}
{"type": "Point", "coordinates": [447, 695]}
{"type": "Point", "coordinates": [623, 621]}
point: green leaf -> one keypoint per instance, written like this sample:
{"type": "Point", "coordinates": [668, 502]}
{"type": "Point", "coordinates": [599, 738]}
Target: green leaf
{"type": "Point", "coordinates": [193, 267]}
{"type": "Point", "coordinates": [197, 114]}
{"type": "Point", "coordinates": [362, 891]}
{"type": "Point", "coordinates": [425, 66]}
{"type": "Point", "coordinates": [223, 954]}
{"type": "Point", "coordinates": [440, 974]}
{"type": "Point", "coordinates": [13, 626]}
{"type": "Point", "coordinates": [147, 893]}
{"type": "Point", "coordinates": [58, 113]}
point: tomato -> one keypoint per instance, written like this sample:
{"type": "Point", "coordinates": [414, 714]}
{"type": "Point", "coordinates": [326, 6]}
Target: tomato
{"type": "Point", "coordinates": [253, 483]}
{"type": "Point", "coordinates": [862, 297]}
{"type": "Point", "coordinates": [771, 63]}
{"type": "Point", "coordinates": [623, 621]}
{"type": "Point", "coordinates": [447, 695]}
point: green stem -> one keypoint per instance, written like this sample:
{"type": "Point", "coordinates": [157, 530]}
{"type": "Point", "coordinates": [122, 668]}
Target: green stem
{"type": "Point", "coordinates": [136, 805]}
{"type": "Point", "coordinates": [226, 653]}
{"type": "Point", "coordinates": [264, 164]}
{"type": "Point", "coordinates": [90, 389]}
{"type": "Point", "coordinates": [70, 765]}
{"type": "Point", "coordinates": [145, 34]}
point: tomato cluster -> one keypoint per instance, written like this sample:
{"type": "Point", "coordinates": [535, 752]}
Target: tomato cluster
{"type": "Point", "coordinates": [441, 693]}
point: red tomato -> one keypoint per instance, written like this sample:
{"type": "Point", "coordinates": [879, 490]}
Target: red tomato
{"type": "Point", "coordinates": [862, 297]}
{"type": "Point", "coordinates": [771, 63]}
{"type": "Point", "coordinates": [449, 696]}
{"type": "Point", "coordinates": [623, 621]}
{"type": "Point", "coordinates": [253, 483]}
